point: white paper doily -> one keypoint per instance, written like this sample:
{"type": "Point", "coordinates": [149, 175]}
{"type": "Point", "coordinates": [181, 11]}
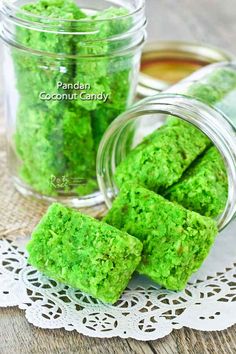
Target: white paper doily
{"type": "Point", "coordinates": [145, 311]}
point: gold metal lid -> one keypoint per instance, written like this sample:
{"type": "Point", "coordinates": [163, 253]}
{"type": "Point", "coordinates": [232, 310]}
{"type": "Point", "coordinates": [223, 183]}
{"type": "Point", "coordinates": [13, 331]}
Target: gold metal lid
{"type": "Point", "coordinates": [165, 63]}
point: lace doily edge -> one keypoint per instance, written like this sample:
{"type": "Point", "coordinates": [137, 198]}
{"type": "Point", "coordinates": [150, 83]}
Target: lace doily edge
{"type": "Point", "coordinates": [23, 308]}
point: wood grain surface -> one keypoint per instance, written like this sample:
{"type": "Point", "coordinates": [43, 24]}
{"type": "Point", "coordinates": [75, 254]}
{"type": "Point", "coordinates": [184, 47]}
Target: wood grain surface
{"type": "Point", "coordinates": [207, 21]}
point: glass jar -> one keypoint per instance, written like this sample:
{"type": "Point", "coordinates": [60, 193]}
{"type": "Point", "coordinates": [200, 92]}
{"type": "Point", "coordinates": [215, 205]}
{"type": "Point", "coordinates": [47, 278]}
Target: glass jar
{"type": "Point", "coordinates": [68, 74]}
{"type": "Point", "coordinates": [206, 99]}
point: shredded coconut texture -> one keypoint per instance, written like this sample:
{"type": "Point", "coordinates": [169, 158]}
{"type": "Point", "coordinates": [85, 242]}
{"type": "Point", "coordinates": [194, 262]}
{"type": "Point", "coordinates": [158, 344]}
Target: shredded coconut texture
{"type": "Point", "coordinates": [175, 241]}
{"type": "Point", "coordinates": [84, 253]}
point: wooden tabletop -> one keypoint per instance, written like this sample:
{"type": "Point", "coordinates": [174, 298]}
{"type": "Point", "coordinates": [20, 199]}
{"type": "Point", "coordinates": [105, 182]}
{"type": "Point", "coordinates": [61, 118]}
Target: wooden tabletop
{"type": "Point", "coordinates": [207, 21]}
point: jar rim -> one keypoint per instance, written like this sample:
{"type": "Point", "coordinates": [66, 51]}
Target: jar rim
{"type": "Point", "coordinates": [212, 122]}
{"type": "Point", "coordinates": [8, 7]}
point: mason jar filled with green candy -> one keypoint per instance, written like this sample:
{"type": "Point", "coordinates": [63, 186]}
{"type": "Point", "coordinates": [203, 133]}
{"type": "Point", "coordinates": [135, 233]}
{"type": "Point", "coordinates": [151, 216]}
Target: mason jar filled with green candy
{"type": "Point", "coordinates": [71, 67]}
{"type": "Point", "coordinates": [180, 144]}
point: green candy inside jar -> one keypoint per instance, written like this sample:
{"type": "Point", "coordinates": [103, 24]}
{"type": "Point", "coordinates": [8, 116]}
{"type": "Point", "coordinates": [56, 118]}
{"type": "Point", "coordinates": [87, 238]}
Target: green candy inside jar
{"type": "Point", "coordinates": [75, 71]}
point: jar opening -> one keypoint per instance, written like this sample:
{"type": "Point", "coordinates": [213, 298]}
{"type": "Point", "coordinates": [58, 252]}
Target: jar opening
{"type": "Point", "coordinates": [117, 141]}
{"type": "Point", "coordinates": [134, 7]}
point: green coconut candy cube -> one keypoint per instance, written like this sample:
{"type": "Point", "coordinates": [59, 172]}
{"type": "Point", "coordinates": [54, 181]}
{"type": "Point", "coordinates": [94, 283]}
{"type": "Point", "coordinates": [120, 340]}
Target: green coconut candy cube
{"type": "Point", "coordinates": [176, 241]}
{"type": "Point", "coordinates": [161, 159]}
{"type": "Point", "coordinates": [84, 253]}
{"type": "Point", "coordinates": [204, 186]}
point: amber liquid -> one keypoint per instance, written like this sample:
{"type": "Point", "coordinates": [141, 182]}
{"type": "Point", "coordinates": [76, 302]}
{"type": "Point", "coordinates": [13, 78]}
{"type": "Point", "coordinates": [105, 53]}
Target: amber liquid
{"type": "Point", "coordinates": [171, 70]}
